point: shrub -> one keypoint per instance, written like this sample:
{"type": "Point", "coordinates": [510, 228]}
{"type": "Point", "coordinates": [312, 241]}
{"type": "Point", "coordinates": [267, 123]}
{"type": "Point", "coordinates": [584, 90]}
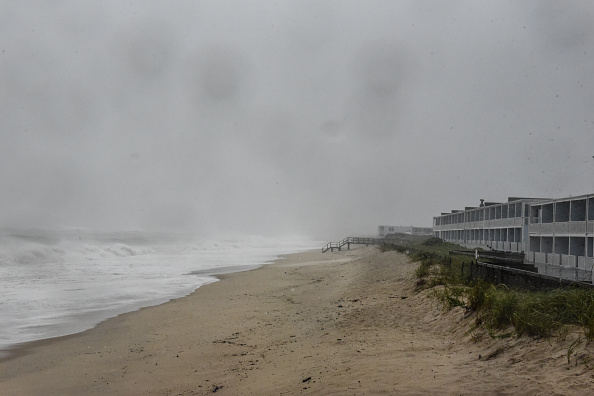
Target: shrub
{"type": "Point", "coordinates": [424, 269]}
{"type": "Point", "coordinates": [433, 241]}
{"type": "Point", "coordinates": [451, 296]}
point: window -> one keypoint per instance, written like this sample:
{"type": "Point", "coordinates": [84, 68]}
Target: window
{"type": "Point", "coordinates": [562, 212]}
{"type": "Point", "coordinates": [578, 210]}
{"type": "Point", "coordinates": [536, 214]}
{"type": "Point", "coordinates": [547, 213]}
{"type": "Point", "coordinates": [535, 244]}
{"type": "Point", "coordinates": [577, 246]}
{"type": "Point", "coordinates": [561, 245]}
{"type": "Point", "coordinates": [546, 245]}
{"type": "Point", "coordinates": [517, 235]}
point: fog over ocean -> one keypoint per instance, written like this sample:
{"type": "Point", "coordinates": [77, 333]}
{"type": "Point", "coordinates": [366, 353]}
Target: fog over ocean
{"type": "Point", "coordinates": [56, 283]}
{"type": "Point", "coordinates": [318, 118]}
{"type": "Point", "coordinates": [322, 117]}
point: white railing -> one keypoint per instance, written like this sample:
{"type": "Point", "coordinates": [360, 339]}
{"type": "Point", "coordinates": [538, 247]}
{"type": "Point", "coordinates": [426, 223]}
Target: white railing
{"type": "Point", "coordinates": [568, 260]}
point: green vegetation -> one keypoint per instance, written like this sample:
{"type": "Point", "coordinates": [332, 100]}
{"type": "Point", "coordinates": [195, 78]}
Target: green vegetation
{"type": "Point", "coordinates": [500, 310]}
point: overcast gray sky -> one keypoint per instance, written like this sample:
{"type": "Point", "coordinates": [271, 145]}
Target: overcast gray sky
{"type": "Point", "coordinates": [324, 118]}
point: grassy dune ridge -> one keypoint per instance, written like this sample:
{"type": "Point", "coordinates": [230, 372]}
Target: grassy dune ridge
{"type": "Point", "coordinates": [501, 310]}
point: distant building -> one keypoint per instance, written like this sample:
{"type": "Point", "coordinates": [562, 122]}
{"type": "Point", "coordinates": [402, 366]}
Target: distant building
{"type": "Point", "coordinates": [384, 230]}
{"type": "Point", "coordinates": [555, 232]}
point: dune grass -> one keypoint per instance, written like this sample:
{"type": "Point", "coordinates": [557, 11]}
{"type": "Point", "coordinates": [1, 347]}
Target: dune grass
{"type": "Point", "coordinates": [500, 310]}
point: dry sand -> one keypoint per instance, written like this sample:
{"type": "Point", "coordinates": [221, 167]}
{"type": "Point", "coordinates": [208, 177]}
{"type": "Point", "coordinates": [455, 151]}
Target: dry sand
{"type": "Point", "coordinates": [343, 323]}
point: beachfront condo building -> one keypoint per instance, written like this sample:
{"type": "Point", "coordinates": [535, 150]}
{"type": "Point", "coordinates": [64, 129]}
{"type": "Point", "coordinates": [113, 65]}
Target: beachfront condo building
{"type": "Point", "coordinates": [384, 230]}
{"type": "Point", "coordinates": [554, 232]}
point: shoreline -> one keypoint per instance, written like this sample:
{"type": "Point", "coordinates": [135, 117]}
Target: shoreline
{"type": "Point", "coordinates": [89, 320]}
{"type": "Point", "coordinates": [349, 322]}
{"type": "Point", "coordinates": [214, 273]}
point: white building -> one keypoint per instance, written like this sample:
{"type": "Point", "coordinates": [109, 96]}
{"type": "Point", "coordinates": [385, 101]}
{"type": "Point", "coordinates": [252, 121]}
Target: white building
{"type": "Point", "coordinates": [558, 232]}
{"type": "Point", "coordinates": [497, 226]}
{"type": "Point", "coordinates": [384, 230]}
{"type": "Point", "coordinates": [561, 232]}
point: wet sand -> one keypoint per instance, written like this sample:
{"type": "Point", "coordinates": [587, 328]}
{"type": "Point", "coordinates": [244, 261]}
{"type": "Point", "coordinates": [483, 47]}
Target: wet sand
{"type": "Point", "coordinates": [342, 323]}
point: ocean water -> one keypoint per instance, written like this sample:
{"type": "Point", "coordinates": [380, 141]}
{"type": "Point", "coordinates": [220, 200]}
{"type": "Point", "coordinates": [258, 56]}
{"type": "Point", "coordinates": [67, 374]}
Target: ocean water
{"type": "Point", "coordinates": [55, 283]}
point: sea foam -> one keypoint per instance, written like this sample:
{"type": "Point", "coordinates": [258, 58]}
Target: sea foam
{"type": "Point", "coordinates": [56, 283]}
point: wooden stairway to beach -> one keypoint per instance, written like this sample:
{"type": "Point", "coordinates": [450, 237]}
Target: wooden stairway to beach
{"type": "Point", "coordinates": [350, 240]}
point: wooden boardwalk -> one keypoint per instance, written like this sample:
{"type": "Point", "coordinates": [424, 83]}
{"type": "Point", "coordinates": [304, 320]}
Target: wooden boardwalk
{"type": "Point", "coordinates": [351, 241]}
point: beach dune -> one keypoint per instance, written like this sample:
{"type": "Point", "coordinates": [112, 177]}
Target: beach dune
{"type": "Point", "coordinates": [342, 323]}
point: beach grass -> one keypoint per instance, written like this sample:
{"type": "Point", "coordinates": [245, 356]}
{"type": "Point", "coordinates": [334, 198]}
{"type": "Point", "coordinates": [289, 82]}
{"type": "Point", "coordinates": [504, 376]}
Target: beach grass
{"type": "Point", "coordinates": [501, 310]}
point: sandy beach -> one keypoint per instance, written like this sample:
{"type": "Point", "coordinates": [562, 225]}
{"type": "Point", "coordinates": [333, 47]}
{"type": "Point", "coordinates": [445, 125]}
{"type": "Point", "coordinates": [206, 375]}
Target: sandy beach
{"type": "Point", "coordinates": [342, 323]}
